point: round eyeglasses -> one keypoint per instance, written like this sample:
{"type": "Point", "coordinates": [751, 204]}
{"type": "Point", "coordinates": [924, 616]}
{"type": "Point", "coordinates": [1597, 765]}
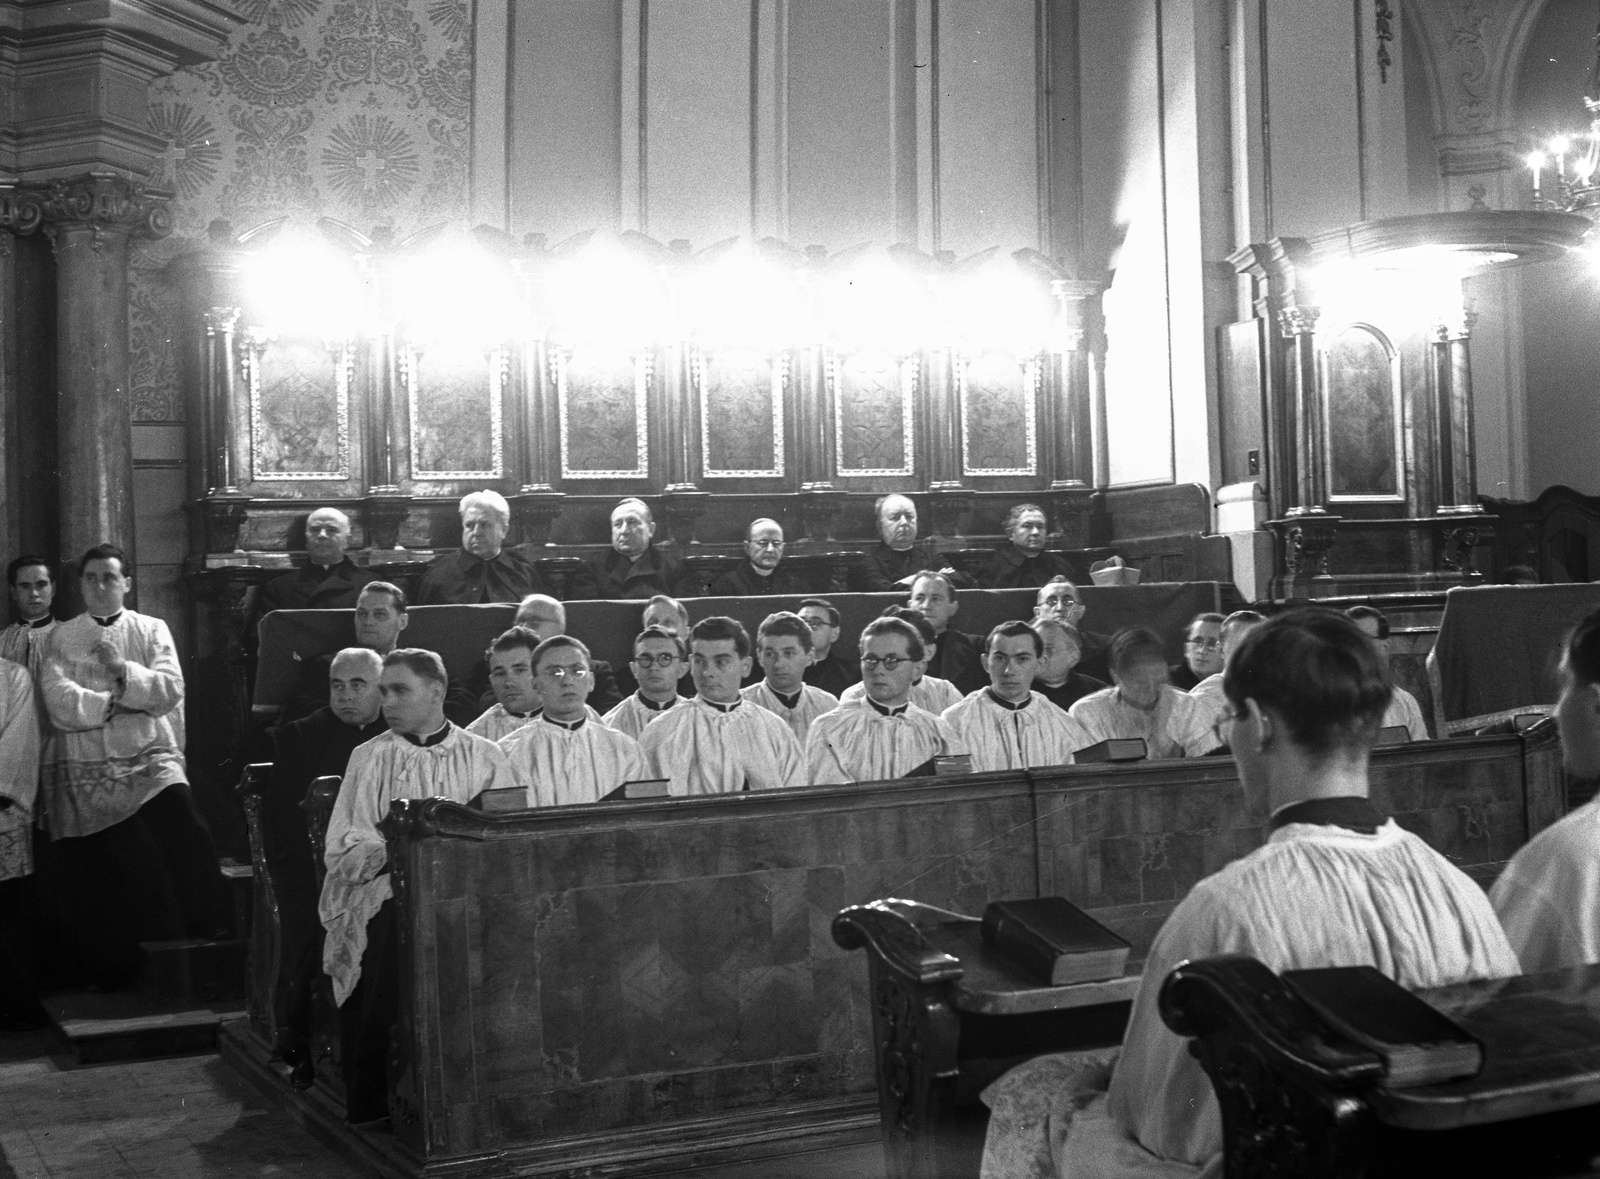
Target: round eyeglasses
{"type": "Point", "coordinates": [573, 672]}
{"type": "Point", "coordinates": [654, 660]}
{"type": "Point", "coordinates": [888, 662]}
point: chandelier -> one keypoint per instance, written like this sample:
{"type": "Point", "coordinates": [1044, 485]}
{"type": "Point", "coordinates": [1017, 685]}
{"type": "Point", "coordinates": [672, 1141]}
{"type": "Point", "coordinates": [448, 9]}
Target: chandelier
{"type": "Point", "coordinates": [1565, 170]}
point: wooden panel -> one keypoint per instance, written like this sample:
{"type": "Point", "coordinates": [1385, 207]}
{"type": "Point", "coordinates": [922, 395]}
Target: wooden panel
{"type": "Point", "coordinates": [874, 395]}
{"type": "Point", "coordinates": [604, 400]}
{"type": "Point", "coordinates": [1361, 376]}
{"type": "Point", "coordinates": [1243, 364]}
{"type": "Point", "coordinates": [999, 395]}
{"type": "Point", "coordinates": [456, 405]}
{"type": "Point", "coordinates": [299, 410]}
{"type": "Point", "coordinates": [742, 400]}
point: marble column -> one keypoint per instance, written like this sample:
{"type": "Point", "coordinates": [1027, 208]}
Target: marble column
{"type": "Point", "coordinates": [90, 222]}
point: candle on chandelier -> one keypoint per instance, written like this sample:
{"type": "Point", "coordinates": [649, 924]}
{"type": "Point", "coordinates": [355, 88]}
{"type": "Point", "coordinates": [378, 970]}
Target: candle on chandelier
{"type": "Point", "coordinates": [1535, 162]}
{"type": "Point", "coordinates": [1560, 145]}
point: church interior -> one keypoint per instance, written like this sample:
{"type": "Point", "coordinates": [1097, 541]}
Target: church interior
{"type": "Point", "coordinates": [1250, 310]}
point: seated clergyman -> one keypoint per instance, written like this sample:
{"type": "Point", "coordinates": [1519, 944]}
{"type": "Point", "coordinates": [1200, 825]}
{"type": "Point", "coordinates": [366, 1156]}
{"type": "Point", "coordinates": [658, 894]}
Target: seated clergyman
{"type": "Point", "coordinates": [1058, 598]}
{"type": "Point", "coordinates": [1404, 711]}
{"type": "Point", "coordinates": [1337, 884]}
{"type": "Point", "coordinates": [957, 657]}
{"type": "Point", "coordinates": [516, 698]}
{"type": "Point", "coordinates": [1143, 704]}
{"type": "Point", "coordinates": [1202, 651]}
{"type": "Point", "coordinates": [567, 755]}
{"type": "Point", "coordinates": [659, 661]}
{"type": "Point", "coordinates": [829, 670]}
{"type": "Point", "coordinates": [1057, 677]}
{"type": "Point", "coordinates": [783, 648]}
{"type": "Point", "coordinates": [880, 734]}
{"type": "Point", "coordinates": [717, 743]}
{"type": "Point", "coordinates": [482, 569]}
{"type": "Point", "coordinates": [1548, 897]}
{"type": "Point", "coordinates": [546, 617]}
{"type": "Point", "coordinates": [633, 567]}
{"type": "Point", "coordinates": [423, 755]}
{"type": "Point", "coordinates": [928, 692]}
{"type": "Point", "coordinates": [761, 571]}
{"type": "Point", "coordinates": [1024, 561]}
{"type": "Point", "coordinates": [1209, 690]}
{"type": "Point", "coordinates": [1009, 726]}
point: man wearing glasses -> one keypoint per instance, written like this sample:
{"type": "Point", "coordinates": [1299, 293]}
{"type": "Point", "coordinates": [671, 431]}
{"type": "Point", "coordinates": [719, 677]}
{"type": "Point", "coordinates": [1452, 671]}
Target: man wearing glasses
{"type": "Point", "coordinates": [658, 663]}
{"type": "Point", "coordinates": [829, 670]}
{"type": "Point", "coordinates": [1202, 652]}
{"type": "Point", "coordinates": [880, 734]}
{"type": "Point", "coordinates": [718, 743]}
{"type": "Point", "coordinates": [568, 756]}
{"type": "Point", "coordinates": [759, 573]}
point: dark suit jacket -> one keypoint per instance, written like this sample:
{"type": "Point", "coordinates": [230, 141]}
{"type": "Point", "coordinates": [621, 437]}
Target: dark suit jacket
{"type": "Point", "coordinates": [1182, 678]}
{"type": "Point", "coordinates": [1069, 693]}
{"type": "Point", "coordinates": [833, 674]}
{"type": "Point", "coordinates": [959, 662]}
{"type": "Point", "coordinates": [459, 577]}
{"type": "Point", "coordinates": [1011, 568]}
{"type": "Point", "coordinates": [882, 568]}
{"type": "Point", "coordinates": [312, 587]}
{"type": "Point", "coordinates": [610, 575]}
{"type": "Point", "coordinates": [745, 582]}
{"type": "Point", "coordinates": [311, 693]}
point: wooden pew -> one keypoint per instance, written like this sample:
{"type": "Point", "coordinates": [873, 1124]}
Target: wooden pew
{"type": "Point", "coordinates": [266, 1001]}
{"type": "Point", "coordinates": [653, 984]}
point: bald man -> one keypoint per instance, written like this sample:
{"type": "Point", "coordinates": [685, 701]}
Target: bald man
{"type": "Point", "coordinates": [328, 580]}
{"type": "Point", "coordinates": [893, 563]}
{"type": "Point", "coordinates": [547, 618]}
{"type": "Point", "coordinates": [633, 567]}
{"type": "Point", "coordinates": [307, 749]}
{"type": "Point", "coordinates": [759, 572]}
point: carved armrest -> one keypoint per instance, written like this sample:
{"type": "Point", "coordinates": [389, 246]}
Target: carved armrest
{"type": "Point", "coordinates": [318, 806]}
{"type": "Point", "coordinates": [1234, 997]}
{"type": "Point", "coordinates": [893, 936]}
{"type": "Point", "coordinates": [252, 792]}
{"type": "Point", "coordinates": [557, 573]}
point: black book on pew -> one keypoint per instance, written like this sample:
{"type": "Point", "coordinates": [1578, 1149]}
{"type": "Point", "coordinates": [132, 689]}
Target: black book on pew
{"type": "Point", "coordinates": [1417, 1044]}
{"type": "Point", "coordinates": [643, 788]}
{"type": "Point", "coordinates": [1394, 735]}
{"type": "Point", "coordinates": [494, 802]}
{"type": "Point", "coordinates": [1055, 940]}
{"type": "Point", "coordinates": [1112, 749]}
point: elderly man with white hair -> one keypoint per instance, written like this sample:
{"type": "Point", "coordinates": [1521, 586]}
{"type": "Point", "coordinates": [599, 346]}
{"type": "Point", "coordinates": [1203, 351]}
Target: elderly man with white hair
{"type": "Point", "coordinates": [634, 567]}
{"type": "Point", "coordinates": [481, 570]}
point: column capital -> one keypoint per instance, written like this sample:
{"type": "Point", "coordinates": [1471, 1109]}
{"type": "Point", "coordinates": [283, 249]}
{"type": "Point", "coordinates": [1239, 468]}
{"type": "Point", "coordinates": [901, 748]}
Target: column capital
{"type": "Point", "coordinates": [1296, 320]}
{"type": "Point", "coordinates": [102, 202]}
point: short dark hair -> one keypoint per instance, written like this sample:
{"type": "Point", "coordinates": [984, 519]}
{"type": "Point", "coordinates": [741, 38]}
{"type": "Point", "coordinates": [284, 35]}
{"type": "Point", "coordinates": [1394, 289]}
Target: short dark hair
{"type": "Point", "coordinates": [937, 576]}
{"type": "Point", "coordinates": [1014, 516]}
{"type": "Point", "coordinates": [23, 562]}
{"type": "Point", "coordinates": [891, 624]}
{"type": "Point", "coordinates": [555, 642]}
{"type": "Point", "coordinates": [824, 605]}
{"type": "Point", "coordinates": [786, 623]}
{"type": "Point", "coordinates": [513, 639]}
{"type": "Point", "coordinates": [1208, 616]}
{"type": "Point", "coordinates": [398, 595]}
{"type": "Point", "coordinates": [1241, 616]}
{"type": "Point", "coordinates": [1134, 642]}
{"type": "Point", "coordinates": [1317, 671]}
{"type": "Point", "coordinates": [719, 628]}
{"type": "Point", "coordinates": [106, 551]}
{"type": "Point", "coordinates": [1358, 613]}
{"type": "Point", "coordinates": [914, 618]}
{"type": "Point", "coordinates": [657, 632]}
{"type": "Point", "coordinates": [420, 662]}
{"type": "Point", "coordinates": [1015, 630]}
{"type": "Point", "coordinates": [1583, 649]}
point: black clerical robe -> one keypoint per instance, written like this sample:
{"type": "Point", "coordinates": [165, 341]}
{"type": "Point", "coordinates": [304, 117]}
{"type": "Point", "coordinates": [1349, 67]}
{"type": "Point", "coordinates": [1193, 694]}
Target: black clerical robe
{"type": "Point", "coordinates": [610, 575]}
{"type": "Point", "coordinates": [315, 587]}
{"type": "Point", "coordinates": [1011, 568]}
{"type": "Point", "coordinates": [833, 674]}
{"type": "Point", "coordinates": [311, 693]}
{"type": "Point", "coordinates": [882, 568]}
{"type": "Point", "coordinates": [1181, 677]}
{"type": "Point", "coordinates": [959, 661]}
{"type": "Point", "coordinates": [745, 582]}
{"type": "Point", "coordinates": [1064, 695]}
{"type": "Point", "coordinates": [459, 577]}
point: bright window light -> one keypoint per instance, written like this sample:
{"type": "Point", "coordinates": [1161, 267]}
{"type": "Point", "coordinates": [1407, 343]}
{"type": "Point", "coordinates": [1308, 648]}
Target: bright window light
{"type": "Point", "coordinates": [299, 287]}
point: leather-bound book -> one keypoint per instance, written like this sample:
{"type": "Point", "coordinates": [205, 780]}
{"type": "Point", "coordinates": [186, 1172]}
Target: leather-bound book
{"type": "Point", "coordinates": [643, 788]}
{"type": "Point", "coordinates": [1418, 1044]}
{"type": "Point", "coordinates": [1112, 749]}
{"type": "Point", "coordinates": [1055, 940]}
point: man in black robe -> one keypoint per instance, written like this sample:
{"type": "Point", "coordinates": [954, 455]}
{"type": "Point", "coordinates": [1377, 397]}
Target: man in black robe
{"type": "Point", "coordinates": [761, 571]}
{"type": "Point", "coordinates": [957, 657]}
{"type": "Point", "coordinates": [890, 565]}
{"type": "Point", "coordinates": [328, 580]}
{"type": "Point", "coordinates": [1024, 562]}
{"type": "Point", "coordinates": [829, 670]}
{"type": "Point", "coordinates": [307, 749]}
{"type": "Point", "coordinates": [634, 567]}
{"type": "Point", "coordinates": [547, 618]}
{"type": "Point", "coordinates": [1057, 677]}
{"type": "Point", "coordinates": [481, 570]}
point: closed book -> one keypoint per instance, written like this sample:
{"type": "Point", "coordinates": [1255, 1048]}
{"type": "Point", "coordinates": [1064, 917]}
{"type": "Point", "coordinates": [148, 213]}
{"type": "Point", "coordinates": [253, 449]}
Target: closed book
{"type": "Point", "coordinates": [1394, 735]}
{"type": "Point", "coordinates": [1113, 749]}
{"type": "Point", "coordinates": [1417, 1044]}
{"type": "Point", "coordinates": [1055, 940]}
{"type": "Point", "coordinates": [643, 788]}
{"type": "Point", "coordinates": [494, 802]}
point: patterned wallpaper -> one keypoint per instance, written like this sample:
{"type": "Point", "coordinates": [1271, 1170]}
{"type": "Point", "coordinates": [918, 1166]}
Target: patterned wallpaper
{"type": "Point", "coordinates": [353, 109]}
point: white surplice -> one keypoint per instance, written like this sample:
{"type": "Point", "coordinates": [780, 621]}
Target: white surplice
{"type": "Point", "coordinates": [861, 742]}
{"type": "Point", "coordinates": [930, 693]}
{"type": "Point", "coordinates": [1176, 727]}
{"type": "Point", "coordinates": [497, 723]}
{"type": "Point", "coordinates": [634, 713]}
{"type": "Point", "coordinates": [386, 768]}
{"type": "Point", "coordinates": [19, 769]}
{"type": "Point", "coordinates": [24, 643]}
{"type": "Point", "coordinates": [1404, 712]}
{"type": "Point", "coordinates": [1548, 896]}
{"type": "Point", "coordinates": [1001, 738]}
{"type": "Point", "coordinates": [565, 765]}
{"type": "Point", "coordinates": [813, 702]}
{"type": "Point", "coordinates": [704, 748]}
{"type": "Point", "coordinates": [1313, 896]}
{"type": "Point", "coordinates": [112, 747]}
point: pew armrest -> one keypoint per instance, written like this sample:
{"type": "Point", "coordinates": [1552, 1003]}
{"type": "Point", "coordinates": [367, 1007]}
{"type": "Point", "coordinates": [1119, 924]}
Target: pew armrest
{"type": "Point", "coordinates": [889, 929]}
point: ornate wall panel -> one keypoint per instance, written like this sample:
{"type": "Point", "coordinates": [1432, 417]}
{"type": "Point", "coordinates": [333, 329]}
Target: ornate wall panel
{"type": "Point", "coordinates": [1361, 376]}
{"type": "Point", "coordinates": [456, 406]}
{"type": "Point", "coordinates": [999, 397]}
{"type": "Point", "coordinates": [299, 410]}
{"type": "Point", "coordinates": [873, 394]}
{"type": "Point", "coordinates": [741, 413]}
{"type": "Point", "coordinates": [605, 415]}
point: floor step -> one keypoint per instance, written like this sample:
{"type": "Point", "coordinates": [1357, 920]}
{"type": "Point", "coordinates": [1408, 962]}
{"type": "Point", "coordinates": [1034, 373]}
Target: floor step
{"type": "Point", "coordinates": [193, 971]}
{"type": "Point", "coordinates": [122, 1025]}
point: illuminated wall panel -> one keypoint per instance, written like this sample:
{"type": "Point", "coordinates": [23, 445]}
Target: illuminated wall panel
{"type": "Point", "coordinates": [603, 398]}
{"type": "Point", "coordinates": [456, 403]}
{"type": "Point", "coordinates": [299, 410]}
{"type": "Point", "coordinates": [742, 396]}
{"type": "Point", "coordinates": [999, 414]}
{"type": "Point", "coordinates": [874, 394]}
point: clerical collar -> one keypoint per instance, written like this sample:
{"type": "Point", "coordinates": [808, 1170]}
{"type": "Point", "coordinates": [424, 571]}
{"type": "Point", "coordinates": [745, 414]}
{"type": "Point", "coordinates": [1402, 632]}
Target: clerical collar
{"type": "Point", "coordinates": [723, 708]}
{"type": "Point", "coordinates": [883, 710]}
{"type": "Point", "coordinates": [996, 698]}
{"type": "Point", "coordinates": [790, 702]}
{"type": "Point", "coordinates": [431, 739]}
{"type": "Point", "coordinates": [657, 705]}
{"type": "Point", "coordinates": [106, 621]}
{"type": "Point", "coordinates": [569, 726]}
{"type": "Point", "coordinates": [39, 623]}
{"type": "Point", "coordinates": [1350, 812]}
